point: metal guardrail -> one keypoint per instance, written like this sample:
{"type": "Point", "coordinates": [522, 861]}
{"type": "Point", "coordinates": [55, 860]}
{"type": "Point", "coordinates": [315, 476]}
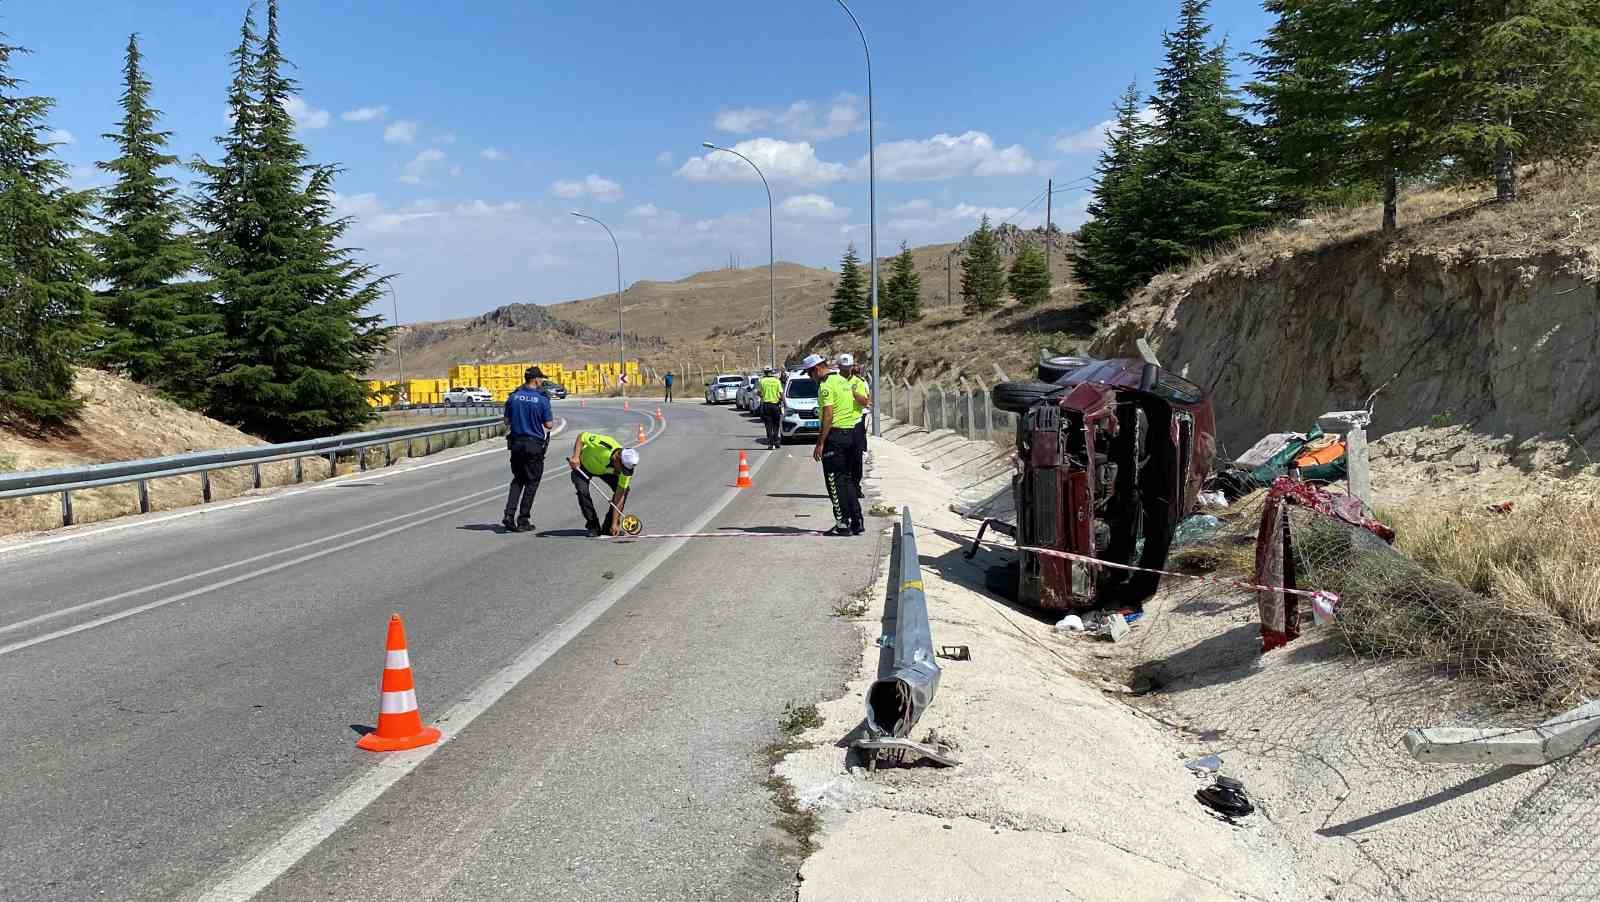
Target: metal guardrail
{"type": "Point", "coordinates": [483, 410]}
{"type": "Point", "coordinates": [67, 480]}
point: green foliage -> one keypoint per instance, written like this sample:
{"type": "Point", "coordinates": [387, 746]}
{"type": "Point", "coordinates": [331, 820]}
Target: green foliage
{"type": "Point", "coordinates": [292, 300]}
{"type": "Point", "coordinates": [44, 265]}
{"type": "Point", "coordinates": [1109, 258]}
{"type": "Point", "coordinates": [1029, 280]}
{"type": "Point", "coordinates": [158, 323]}
{"type": "Point", "coordinates": [982, 278]}
{"type": "Point", "coordinates": [903, 295]}
{"type": "Point", "coordinates": [849, 307]}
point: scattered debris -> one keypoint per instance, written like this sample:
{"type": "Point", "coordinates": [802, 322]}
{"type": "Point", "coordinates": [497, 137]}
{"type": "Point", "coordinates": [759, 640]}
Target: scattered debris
{"type": "Point", "coordinates": [1194, 529]}
{"type": "Point", "coordinates": [1071, 623]}
{"type": "Point", "coordinates": [1115, 626]}
{"type": "Point", "coordinates": [888, 749]}
{"type": "Point", "coordinates": [1213, 499]}
{"type": "Point", "coordinates": [608, 575]}
{"type": "Point", "coordinates": [881, 510]}
{"type": "Point", "coordinates": [1210, 764]}
{"type": "Point", "coordinates": [955, 652]}
{"type": "Point", "coordinates": [1226, 797]}
{"type": "Point", "coordinates": [1503, 507]}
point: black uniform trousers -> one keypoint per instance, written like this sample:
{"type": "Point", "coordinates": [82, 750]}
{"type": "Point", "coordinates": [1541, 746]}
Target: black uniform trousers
{"type": "Point", "coordinates": [668, 397]}
{"type": "Point", "coordinates": [858, 461]}
{"type": "Point", "coordinates": [586, 501]}
{"type": "Point", "coordinates": [837, 456]}
{"type": "Point", "coordinates": [527, 467]}
{"type": "Point", "coordinates": [772, 418]}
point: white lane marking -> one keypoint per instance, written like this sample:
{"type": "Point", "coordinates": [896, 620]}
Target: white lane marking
{"type": "Point", "coordinates": [476, 497]}
{"type": "Point", "coordinates": [366, 476]}
{"type": "Point", "coordinates": [256, 874]}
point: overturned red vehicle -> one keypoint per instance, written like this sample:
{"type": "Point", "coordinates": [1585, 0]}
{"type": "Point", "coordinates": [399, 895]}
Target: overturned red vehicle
{"type": "Point", "coordinates": [1112, 454]}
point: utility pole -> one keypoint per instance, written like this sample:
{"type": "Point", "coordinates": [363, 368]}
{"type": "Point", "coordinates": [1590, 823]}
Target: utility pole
{"type": "Point", "coordinates": [1049, 195]}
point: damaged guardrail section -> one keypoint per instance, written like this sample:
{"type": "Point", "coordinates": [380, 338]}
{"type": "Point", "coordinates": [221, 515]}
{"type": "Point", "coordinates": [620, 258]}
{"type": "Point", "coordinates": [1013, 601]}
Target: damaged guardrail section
{"type": "Point", "coordinates": [896, 703]}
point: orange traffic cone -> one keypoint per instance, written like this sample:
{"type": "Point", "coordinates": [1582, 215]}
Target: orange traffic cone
{"type": "Point", "coordinates": [625, 404]}
{"type": "Point", "coordinates": [583, 402]}
{"type": "Point", "coordinates": [399, 723]}
{"type": "Point", "coordinates": [744, 473]}
{"type": "Point", "coordinates": [659, 414]}
{"type": "Point", "coordinates": [641, 434]}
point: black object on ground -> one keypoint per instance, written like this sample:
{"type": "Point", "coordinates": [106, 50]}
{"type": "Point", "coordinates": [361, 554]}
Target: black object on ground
{"type": "Point", "coordinates": [1227, 797]}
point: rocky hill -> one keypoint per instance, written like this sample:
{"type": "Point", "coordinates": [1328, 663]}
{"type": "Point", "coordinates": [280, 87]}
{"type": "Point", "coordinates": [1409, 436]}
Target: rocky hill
{"type": "Point", "coordinates": [1473, 314]}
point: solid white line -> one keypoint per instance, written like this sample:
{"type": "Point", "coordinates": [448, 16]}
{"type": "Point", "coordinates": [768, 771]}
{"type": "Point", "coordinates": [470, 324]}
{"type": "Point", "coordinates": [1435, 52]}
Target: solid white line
{"type": "Point", "coordinates": [364, 476]}
{"type": "Point", "coordinates": [256, 874]}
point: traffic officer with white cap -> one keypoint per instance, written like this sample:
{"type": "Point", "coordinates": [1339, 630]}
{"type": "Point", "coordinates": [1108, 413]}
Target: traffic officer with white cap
{"type": "Point", "coordinates": [834, 442]}
{"type": "Point", "coordinates": [862, 396]}
{"type": "Point", "coordinates": [599, 456]}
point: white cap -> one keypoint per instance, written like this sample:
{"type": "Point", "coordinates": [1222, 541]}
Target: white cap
{"type": "Point", "coordinates": [845, 360]}
{"type": "Point", "coordinates": [630, 459]}
{"type": "Point", "coordinates": [811, 361]}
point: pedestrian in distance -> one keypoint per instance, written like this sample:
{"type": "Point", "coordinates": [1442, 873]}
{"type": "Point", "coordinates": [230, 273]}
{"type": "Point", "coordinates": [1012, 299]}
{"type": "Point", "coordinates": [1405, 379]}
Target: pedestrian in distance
{"type": "Point", "coordinates": [667, 381]}
{"type": "Point", "coordinates": [862, 396]}
{"type": "Point", "coordinates": [599, 456]}
{"type": "Point", "coordinates": [771, 407]}
{"type": "Point", "coordinates": [528, 425]}
{"type": "Point", "coordinates": [834, 442]}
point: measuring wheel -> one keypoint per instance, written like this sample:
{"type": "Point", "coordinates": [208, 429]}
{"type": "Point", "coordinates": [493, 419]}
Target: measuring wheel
{"type": "Point", "coordinates": [632, 525]}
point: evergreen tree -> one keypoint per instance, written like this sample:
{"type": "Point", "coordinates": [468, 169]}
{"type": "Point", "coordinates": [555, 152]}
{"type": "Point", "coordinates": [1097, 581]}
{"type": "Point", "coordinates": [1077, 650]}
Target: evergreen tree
{"type": "Point", "coordinates": [159, 325]}
{"type": "Point", "coordinates": [1108, 260]}
{"type": "Point", "coordinates": [903, 295]}
{"type": "Point", "coordinates": [1519, 80]}
{"type": "Point", "coordinates": [44, 264]}
{"type": "Point", "coordinates": [1202, 185]}
{"type": "Point", "coordinates": [983, 280]}
{"type": "Point", "coordinates": [849, 307]}
{"type": "Point", "coordinates": [292, 300]}
{"type": "Point", "coordinates": [1029, 280]}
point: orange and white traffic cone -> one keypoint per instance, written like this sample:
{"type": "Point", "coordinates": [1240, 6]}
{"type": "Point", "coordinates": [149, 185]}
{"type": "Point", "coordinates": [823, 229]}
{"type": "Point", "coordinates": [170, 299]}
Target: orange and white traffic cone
{"type": "Point", "coordinates": [583, 402]}
{"type": "Point", "coordinates": [659, 414]}
{"type": "Point", "coordinates": [399, 722]}
{"type": "Point", "coordinates": [641, 434]}
{"type": "Point", "coordinates": [744, 473]}
{"type": "Point", "coordinates": [625, 404]}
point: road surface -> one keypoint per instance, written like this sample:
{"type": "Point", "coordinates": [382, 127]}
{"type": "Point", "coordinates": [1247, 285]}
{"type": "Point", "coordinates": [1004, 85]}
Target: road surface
{"type": "Point", "coordinates": [183, 694]}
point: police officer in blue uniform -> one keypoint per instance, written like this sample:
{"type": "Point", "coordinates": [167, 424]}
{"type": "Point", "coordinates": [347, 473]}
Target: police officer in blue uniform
{"type": "Point", "coordinates": [528, 422]}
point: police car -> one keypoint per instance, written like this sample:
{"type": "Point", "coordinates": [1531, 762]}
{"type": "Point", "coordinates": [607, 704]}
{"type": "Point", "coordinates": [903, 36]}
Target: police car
{"type": "Point", "coordinates": [800, 414]}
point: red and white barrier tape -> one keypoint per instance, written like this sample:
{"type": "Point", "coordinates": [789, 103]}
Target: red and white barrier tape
{"type": "Point", "coordinates": [1322, 603]}
{"type": "Point", "coordinates": [721, 535]}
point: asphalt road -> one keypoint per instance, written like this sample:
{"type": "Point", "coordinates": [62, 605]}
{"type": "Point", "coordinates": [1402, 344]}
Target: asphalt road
{"type": "Point", "coordinates": [183, 694]}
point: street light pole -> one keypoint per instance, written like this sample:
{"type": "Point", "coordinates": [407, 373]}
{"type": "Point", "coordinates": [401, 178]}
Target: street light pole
{"type": "Point", "coordinates": [622, 357]}
{"type": "Point", "coordinates": [399, 352]}
{"type": "Point", "coordinates": [872, 209]}
{"type": "Point", "coordinates": [772, 253]}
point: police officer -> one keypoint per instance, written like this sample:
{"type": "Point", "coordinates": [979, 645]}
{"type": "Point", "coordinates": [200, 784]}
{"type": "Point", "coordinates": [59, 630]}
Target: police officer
{"type": "Point", "coordinates": [771, 406]}
{"type": "Point", "coordinates": [834, 442]}
{"type": "Point", "coordinates": [862, 396]}
{"type": "Point", "coordinates": [668, 382]}
{"type": "Point", "coordinates": [528, 422]}
{"type": "Point", "coordinates": [598, 456]}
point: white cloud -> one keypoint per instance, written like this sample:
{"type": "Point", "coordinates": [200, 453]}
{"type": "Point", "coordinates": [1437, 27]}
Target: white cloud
{"type": "Point", "coordinates": [484, 208]}
{"type": "Point", "coordinates": [305, 116]}
{"type": "Point", "coordinates": [812, 206]}
{"type": "Point", "coordinates": [782, 161]}
{"type": "Point", "coordinates": [455, 171]}
{"type": "Point", "coordinates": [1093, 138]}
{"type": "Point", "coordinates": [665, 158]}
{"type": "Point", "coordinates": [601, 189]}
{"type": "Point", "coordinates": [60, 136]}
{"type": "Point", "coordinates": [356, 205]}
{"type": "Point", "coordinates": [913, 207]}
{"type": "Point", "coordinates": [364, 114]}
{"type": "Point", "coordinates": [949, 156]}
{"type": "Point", "coordinates": [417, 170]}
{"type": "Point", "coordinates": [401, 131]}
{"type": "Point", "coordinates": [801, 119]}
{"type": "Point", "coordinates": [494, 153]}
{"type": "Point", "coordinates": [645, 211]}
{"type": "Point", "coordinates": [445, 138]}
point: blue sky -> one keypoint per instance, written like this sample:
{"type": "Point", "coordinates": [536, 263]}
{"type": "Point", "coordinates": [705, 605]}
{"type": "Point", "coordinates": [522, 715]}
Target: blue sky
{"type": "Point", "coordinates": [466, 134]}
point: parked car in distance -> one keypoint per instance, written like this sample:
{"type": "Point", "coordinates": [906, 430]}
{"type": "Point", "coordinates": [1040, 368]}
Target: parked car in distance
{"type": "Point", "coordinates": [800, 406]}
{"type": "Point", "coordinates": [724, 389]}
{"type": "Point", "coordinates": [555, 391]}
{"type": "Point", "coordinates": [749, 394]}
{"type": "Point", "coordinates": [458, 397]}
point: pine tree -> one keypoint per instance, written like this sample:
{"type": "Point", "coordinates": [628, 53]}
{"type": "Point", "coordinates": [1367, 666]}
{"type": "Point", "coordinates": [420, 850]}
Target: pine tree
{"type": "Point", "coordinates": [903, 295]}
{"type": "Point", "coordinates": [159, 325]}
{"type": "Point", "coordinates": [982, 279]}
{"type": "Point", "coordinates": [292, 300]}
{"type": "Point", "coordinates": [44, 264]}
{"type": "Point", "coordinates": [1029, 280]}
{"type": "Point", "coordinates": [1108, 260]}
{"type": "Point", "coordinates": [849, 307]}
{"type": "Point", "coordinates": [1519, 80]}
{"type": "Point", "coordinates": [1202, 184]}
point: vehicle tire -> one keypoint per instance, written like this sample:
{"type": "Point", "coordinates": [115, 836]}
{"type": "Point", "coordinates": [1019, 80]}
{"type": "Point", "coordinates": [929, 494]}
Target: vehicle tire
{"type": "Point", "coordinates": [1017, 397]}
{"type": "Point", "coordinates": [1055, 367]}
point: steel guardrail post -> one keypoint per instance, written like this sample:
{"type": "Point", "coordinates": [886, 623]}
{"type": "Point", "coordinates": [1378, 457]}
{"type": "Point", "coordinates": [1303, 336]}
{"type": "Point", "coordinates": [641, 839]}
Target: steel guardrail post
{"type": "Point", "coordinates": [66, 508]}
{"type": "Point", "coordinates": [255, 475]}
{"type": "Point", "coordinates": [144, 497]}
{"type": "Point", "coordinates": [896, 703]}
{"type": "Point", "coordinates": [205, 486]}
